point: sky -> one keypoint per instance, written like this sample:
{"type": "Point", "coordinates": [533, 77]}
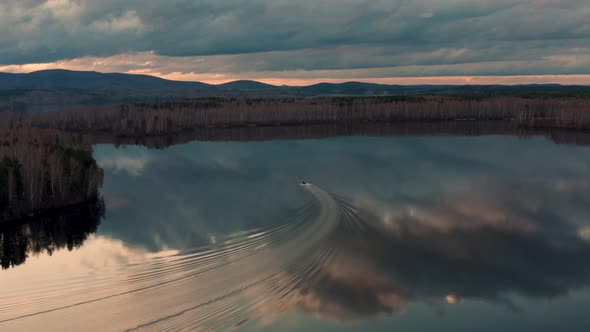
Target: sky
{"type": "Point", "coordinates": [300, 42]}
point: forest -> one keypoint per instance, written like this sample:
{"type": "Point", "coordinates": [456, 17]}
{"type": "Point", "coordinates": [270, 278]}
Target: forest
{"type": "Point", "coordinates": [167, 117]}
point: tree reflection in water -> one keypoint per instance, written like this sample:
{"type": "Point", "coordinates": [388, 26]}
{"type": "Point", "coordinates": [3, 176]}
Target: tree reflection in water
{"type": "Point", "coordinates": [67, 229]}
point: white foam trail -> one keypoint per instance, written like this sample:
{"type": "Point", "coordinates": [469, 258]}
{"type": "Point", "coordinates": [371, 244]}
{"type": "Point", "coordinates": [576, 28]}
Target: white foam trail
{"type": "Point", "coordinates": [209, 288]}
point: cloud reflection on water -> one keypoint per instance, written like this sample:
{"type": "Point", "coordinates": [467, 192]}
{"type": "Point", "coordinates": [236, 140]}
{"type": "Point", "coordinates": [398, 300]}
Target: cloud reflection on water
{"type": "Point", "coordinates": [457, 221]}
{"type": "Point", "coordinates": [449, 221]}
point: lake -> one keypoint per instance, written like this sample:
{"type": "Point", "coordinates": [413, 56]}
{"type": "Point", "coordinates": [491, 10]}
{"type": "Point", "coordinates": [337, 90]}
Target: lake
{"type": "Point", "coordinates": [415, 232]}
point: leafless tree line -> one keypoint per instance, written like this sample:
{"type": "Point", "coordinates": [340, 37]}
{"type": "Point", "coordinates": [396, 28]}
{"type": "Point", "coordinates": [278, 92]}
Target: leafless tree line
{"type": "Point", "coordinates": [172, 117]}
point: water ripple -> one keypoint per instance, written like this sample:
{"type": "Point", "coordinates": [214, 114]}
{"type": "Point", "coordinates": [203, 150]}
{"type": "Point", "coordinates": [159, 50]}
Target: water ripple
{"type": "Point", "coordinates": [223, 285]}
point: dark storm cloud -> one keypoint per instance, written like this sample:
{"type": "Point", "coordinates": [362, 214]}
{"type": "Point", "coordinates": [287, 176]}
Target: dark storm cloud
{"type": "Point", "coordinates": [309, 35]}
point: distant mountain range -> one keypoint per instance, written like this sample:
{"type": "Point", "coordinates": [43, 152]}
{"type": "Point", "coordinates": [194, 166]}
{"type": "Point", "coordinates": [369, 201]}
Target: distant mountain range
{"type": "Point", "coordinates": [59, 86]}
{"type": "Point", "coordinates": [92, 81]}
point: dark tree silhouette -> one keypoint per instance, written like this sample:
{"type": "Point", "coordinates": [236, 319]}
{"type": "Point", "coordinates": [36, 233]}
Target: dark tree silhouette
{"type": "Point", "coordinates": [66, 229]}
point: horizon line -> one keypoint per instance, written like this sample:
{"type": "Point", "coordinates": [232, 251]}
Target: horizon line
{"type": "Point", "coordinates": [452, 80]}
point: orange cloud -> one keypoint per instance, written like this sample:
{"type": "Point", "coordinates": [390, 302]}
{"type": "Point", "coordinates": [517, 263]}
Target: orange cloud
{"type": "Point", "coordinates": [222, 69]}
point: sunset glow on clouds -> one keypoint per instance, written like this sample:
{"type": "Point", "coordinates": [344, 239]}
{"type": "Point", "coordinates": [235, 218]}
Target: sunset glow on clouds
{"type": "Point", "coordinates": [303, 42]}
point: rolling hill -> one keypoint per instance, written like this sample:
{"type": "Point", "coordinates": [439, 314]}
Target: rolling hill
{"type": "Point", "coordinates": [83, 85]}
{"type": "Point", "coordinates": [93, 81]}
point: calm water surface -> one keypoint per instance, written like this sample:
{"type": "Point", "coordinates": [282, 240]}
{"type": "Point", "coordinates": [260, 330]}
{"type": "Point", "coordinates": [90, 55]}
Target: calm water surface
{"type": "Point", "coordinates": [400, 233]}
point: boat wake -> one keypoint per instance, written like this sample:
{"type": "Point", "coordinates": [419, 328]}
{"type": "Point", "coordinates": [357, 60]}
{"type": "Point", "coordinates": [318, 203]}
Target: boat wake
{"type": "Point", "coordinates": [221, 286]}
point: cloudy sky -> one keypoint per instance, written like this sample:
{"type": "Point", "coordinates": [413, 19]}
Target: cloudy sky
{"type": "Point", "coordinates": [304, 41]}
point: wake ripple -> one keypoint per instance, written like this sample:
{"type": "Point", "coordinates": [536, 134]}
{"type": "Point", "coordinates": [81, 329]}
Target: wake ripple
{"type": "Point", "coordinates": [210, 288]}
